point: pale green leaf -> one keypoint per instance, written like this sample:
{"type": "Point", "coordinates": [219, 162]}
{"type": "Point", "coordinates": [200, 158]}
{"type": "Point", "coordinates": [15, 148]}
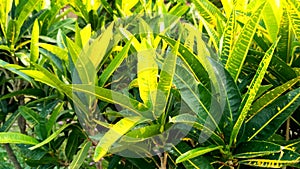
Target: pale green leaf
{"type": "Point", "coordinates": [16, 138]}
{"type": "Point", "coordinates": [34, 48]}
{"type": "Point", "coordinates": [197, 152]}
{"type": "Point", "coordinates": [240, 49]}
{"type": "Point", "coordinates": [113, 135]}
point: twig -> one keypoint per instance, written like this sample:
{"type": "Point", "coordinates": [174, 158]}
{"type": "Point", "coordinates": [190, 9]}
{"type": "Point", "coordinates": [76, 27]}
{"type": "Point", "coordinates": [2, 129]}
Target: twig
{"type": "Point", "coordinates": [12, 156]}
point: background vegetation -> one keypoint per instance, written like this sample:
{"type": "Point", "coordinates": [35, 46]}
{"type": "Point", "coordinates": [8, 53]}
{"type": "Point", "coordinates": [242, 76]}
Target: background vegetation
{"type": "Point", "coordinates": [252, 46]}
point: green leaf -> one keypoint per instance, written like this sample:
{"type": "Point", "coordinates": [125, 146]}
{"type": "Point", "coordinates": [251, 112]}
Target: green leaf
{"type": "Point", "coordinates": [271, 16]}
{"type": "Point", "coordinates": [197, 152]}
{"type": "Point", "coordinates": [147, 71]}
{"type": "Point", "coordinates": [165, 82]}
{"type": "Point", "coordinates": [232, 98]}
{"type": "Point", "coordinates": [8, 123]}
{"type": "Point", "coordinates": [112, 97]}
{"type": "Point", "coordinates": [192, 61]}
{"type": "Point", "coordinates": [15, 69]}
{"type": "Point", "coordinates": [72, 144]}
{"type": "Point", "coordinates": [294, 16]}
{"type": "Point", "coordinates": [30, 115]}
{"type": "Point", "coordinates": [28, 92]}
{"type": "Point", "coordinates": [197, 98]}
{"type": "Point", "coordinates": [227, 38]}
{"type": "Point", "coordinates": [285, 33]}
{"type": "Point", "coordinates": [114, 64]}
{"type": "Point", "coordinates": [209, 11]}
{"type": "Point", "coordinates": [99, 47]}
{"type": "Point", "coordinates": [34, 48]}
{"type": "Point", "coordinates": [198, 124]}
{"type": "Point", "coordinates": [25, 12]}
{"type": "Point", "coordinates": [256, 149]}
{"type": "Point", "coordinates": [16, 138]}
{"type": "Point", "coordinates": [51, 137]}
{"type": "Point", "coordinates": [81, 155]}
{"type": "Point", "coordinates": [269, 119]}
{"type": "Point", "coordinates": [200, 162]}
{"type": "Point", "coordinates": [285, 158]}
{"type": "Point", "coordinates": [53, 117]}
{"type": "Point", "coordinates": [114, 134]}
{"type": "Point", "coordinates": [142, 133]}
{"type": "Point", "coordinates": [11, 34]}
{"type": "Point", "coordinates": [179, 10]}
{"type": "Point", "coordinates": [252, 91]}
{"type": "Point", "coordinates": [5, 6]}
{"type": "Point", "coordinates": [270, 96]}
{"type": "Point", "coordinates": [240, 49]}
{"type": "Point", "coordinates": [59, 52]}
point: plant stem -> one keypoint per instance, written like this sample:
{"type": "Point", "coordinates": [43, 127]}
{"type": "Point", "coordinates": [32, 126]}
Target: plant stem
{"type": "Point", "coordinates": [287, 129]}
{"type": "Point", "coordinates": [12, 157]}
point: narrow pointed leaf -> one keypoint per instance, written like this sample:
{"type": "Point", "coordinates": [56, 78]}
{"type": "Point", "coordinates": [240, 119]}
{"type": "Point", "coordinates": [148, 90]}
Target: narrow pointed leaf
{"type": "Point", "coordinates": [252, 91]}
{"type": "Point", "coordinates": [240, 49]}
{"type": "Point", "coordinates": [34, 48]}
{"type": "Point", "coordinates": [114, 134]}
{"type": "Point", "coordinates": [209, 11]}
{"type": "Point", "coordinates": [165, 81]}
{"type": "Point", "coordinates": [81, 155]}
{"type": "Point", "coordinates": [51, 137]}
{"type": "Point", "coordinates": [114, 64]}
{"type": "Point", "coordinates": [16, 138]}
{"type": "Point", "coordinates": [30, 115]}
{"type": "Point", "coordinates": [227, 38]}
{"type": "Point", "coordinates": [268, 120]}
{"type": "Point", "coordinates": [197, 152]}
{"type": "Point", "coordinates": [147, 71]}
{"type": "Point", "coordinates": [198, 124]}
{"type": "Point", "coordinates": [270, 96]}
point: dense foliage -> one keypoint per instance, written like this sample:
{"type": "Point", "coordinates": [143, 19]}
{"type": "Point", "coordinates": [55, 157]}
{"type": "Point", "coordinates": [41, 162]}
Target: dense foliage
{"type": "Point", "coordinates": [179, 84]}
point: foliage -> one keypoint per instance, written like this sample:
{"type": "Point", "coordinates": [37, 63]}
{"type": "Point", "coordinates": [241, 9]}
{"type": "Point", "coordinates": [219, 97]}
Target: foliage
{"type": "Point", "coordinates": [224, 83]}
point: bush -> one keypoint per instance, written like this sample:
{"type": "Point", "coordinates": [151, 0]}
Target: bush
{"type": "Point", "coordinates": [142, 84]}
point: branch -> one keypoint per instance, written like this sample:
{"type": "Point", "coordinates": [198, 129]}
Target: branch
{"type": "Point", "coordinates": [12, 156]}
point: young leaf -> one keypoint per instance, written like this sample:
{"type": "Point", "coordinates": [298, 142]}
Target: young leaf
{"type": "Point", "coordinates": [34, 48]}
{"type": "Point", "coordinates": [240, 49]}
{"type": "Point", "coordinates": [226, 41]}
{"type": "Point", "coordinates": [147, 71]}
